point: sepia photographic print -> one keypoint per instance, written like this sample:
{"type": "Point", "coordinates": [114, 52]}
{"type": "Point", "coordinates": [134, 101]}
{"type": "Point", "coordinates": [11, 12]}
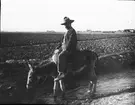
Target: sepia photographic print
{"type": "Point", "coordinates": [70, 52]}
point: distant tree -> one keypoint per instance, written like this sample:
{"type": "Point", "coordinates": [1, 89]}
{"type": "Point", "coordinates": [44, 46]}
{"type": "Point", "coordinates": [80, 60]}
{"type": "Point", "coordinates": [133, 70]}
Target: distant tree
{"type": "Point", "coordinates": [88, 30]}
{"type": "Point", "coordinates": [129, 30]}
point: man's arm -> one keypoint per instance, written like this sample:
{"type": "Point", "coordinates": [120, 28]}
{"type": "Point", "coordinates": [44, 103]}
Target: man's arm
{"type": "Point", "coordinates": [60, 43]}
{"type": "Point", "coordinates": [69, 40]}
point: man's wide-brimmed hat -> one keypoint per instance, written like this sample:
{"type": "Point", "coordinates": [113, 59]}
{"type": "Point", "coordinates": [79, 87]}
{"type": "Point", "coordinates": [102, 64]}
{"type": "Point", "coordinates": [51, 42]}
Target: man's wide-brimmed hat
{"type": "Point", "coordinates": [67, 21]}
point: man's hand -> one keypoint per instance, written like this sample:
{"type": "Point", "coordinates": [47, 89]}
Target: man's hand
{"type": "Point", "coordinates": [65, 51]}
{"type": "Point", "coordinates": [59, 45]}
{"type": "Point", "coordinates": [56, 51]}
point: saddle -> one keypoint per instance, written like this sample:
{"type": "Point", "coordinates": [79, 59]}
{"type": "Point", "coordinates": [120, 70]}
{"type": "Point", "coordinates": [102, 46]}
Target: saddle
{"type": "Point", "coordinates": [70, 57]}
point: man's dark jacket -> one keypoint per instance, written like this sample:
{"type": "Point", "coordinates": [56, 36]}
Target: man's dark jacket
{"type": "Point", "coordinates": [69, 41]}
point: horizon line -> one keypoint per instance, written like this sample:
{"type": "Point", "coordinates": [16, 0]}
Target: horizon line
{"type": "Point", "coordinates": [88, 30]}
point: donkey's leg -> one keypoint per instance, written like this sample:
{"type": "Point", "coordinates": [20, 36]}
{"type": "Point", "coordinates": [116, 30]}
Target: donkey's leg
{"type": "Point", "coordinates": [55, 88]}
{"type": "Point", "coordinates": [90, 86]}
{"type": "Point", "coordinates": [92, 77]}
{"type": "Point", "coordinates": [62, 87]}
{"type": "Point", "coordinates": [94, 74]}
{"type": "Point", "coordinates": [93, 89]}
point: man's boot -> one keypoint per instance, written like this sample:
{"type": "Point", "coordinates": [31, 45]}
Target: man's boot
{"type": "Point", "coordinates": [60, 76]}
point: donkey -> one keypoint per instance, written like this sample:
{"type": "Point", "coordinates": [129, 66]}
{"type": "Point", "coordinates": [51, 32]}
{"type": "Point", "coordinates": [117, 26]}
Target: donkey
{"type": "Point", "coordinates": [80, 61]}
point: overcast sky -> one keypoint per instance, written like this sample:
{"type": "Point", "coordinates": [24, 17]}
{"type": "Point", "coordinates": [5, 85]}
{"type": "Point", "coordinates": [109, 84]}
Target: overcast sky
{"type": "Point", "coordinates": [42, 15]}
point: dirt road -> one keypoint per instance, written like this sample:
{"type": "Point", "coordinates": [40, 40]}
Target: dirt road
{"type": "Point", "coordinates": [112, 89]}
{"type": "Point", "coordinates": [115, 86]}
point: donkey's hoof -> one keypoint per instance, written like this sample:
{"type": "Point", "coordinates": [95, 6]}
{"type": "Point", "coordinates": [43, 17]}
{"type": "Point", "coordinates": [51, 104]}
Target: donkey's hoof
{"type": "Point", "coordinates": [55, 98]}
{"type": "Point", "coordinates": [63, 96]}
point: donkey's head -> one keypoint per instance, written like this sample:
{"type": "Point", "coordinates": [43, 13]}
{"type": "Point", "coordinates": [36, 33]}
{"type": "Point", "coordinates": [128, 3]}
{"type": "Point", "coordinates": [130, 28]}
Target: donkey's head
{"type": "Point", "coordinates": [46, 68]}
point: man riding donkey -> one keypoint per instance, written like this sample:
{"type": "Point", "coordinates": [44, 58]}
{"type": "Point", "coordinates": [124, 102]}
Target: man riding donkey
{"type": "Point", "coordinates": [66, 49]}
{"type": "Point", "coordinates": [66, 54]}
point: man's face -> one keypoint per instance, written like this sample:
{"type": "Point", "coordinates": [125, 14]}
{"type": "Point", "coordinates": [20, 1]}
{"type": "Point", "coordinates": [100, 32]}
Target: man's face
{"type": "Point", "coordinates": [67, 26]}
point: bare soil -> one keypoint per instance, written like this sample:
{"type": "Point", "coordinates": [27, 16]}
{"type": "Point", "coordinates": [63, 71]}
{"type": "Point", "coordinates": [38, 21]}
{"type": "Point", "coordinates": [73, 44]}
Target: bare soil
{"type": "Point", "coordinates": [115, 86]}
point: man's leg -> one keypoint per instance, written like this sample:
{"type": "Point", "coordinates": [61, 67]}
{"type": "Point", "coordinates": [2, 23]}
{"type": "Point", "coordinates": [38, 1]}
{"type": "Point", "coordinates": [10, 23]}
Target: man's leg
{"type": "Point", "coordinates": [62, 65]}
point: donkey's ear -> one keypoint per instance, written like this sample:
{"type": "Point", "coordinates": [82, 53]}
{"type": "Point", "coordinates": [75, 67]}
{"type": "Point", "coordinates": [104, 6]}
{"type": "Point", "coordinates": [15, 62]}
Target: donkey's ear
{"type": "Point", "coordinates": [30, 66]}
